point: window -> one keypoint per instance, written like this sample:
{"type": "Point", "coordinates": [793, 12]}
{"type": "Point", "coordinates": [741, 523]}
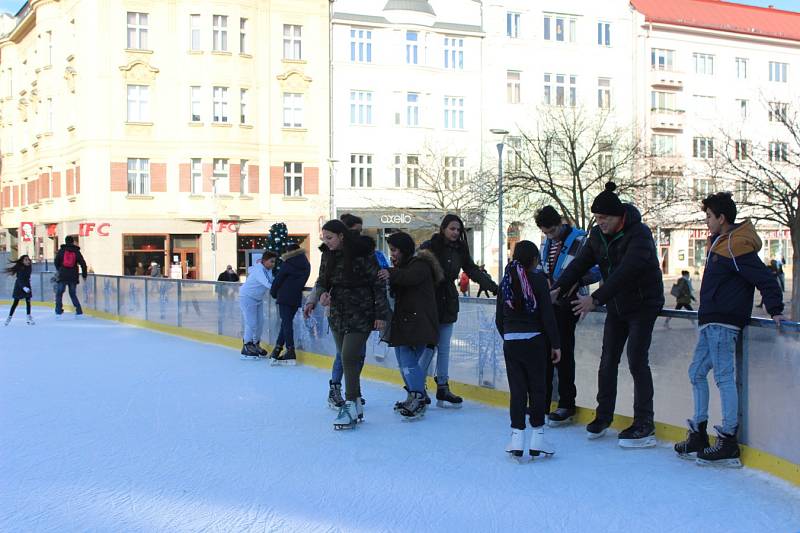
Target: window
{"type": "Point", "coordinates": [513, 154]}
{"type": "Point", "coordinates": [197, 176]}
{"type": "Point", "coordinates": [194, 25]}
{"type": "Point", "coordinates": [513, 89]}
{"type": "Point", "coordinates": [412, 49]}
{"type": "Point", "coordinates": [360, 45]}
{"type": "Point", "coordinates": [137, 31]}
{"type": "Point", "coordinates": [454, 112]}
{"type": "Point", "coordinates": [741, 107]}
{"type": "Point", "coordinates": [412, 109]}
{"type": "Point", "coordinates": [564, 28]}
{"type": "Point", "coordinates": [741, 193]}
{"type": "Point", "coordinates": [663, 187]}
{"type": "Point", "coordinates": [454, 53]}
{"type": "Point", "coordinates": [138, 103]}
{"type": "Point", "coordinates": [605, 159]}
{"type": "Point", "coordinates": [293, 179]}
{"type": "Point", "coordinates": [704, 64]}
{"type": "Point", "coordinates": [220, 33]}
{"type": "Point", "coordinates": [604, 33]}
{"type": "Point", "coordinates": [220, 178]}
{"type": "Point", "coordinates": [220, 97]}
{"type": "Point", "coordinates": [292, 110]}
{"type": "Point", "coordinates": [778, 71]}
{"type": "Point", "coordinates": [778, 111]}
{"type": "Point", "coordinates": [292, 42]}
{"type": "Point", "coordinates": [741, 68]}
{"type": "Point", "coordinates": [512, 25]}
{"type": "Point", "coordinates": [604, 93]}
{"type": "Point", "coordinates": [703, 187]}
{"type": "Point", "coordinates": [243, 36]}
{"type": "Point", "coordinates": [50, 113]}
{"type": "Point", "coordinates": [548, 91]}
{"type": "Point", "coordinates": [138, 176]}
{"type": "Point", "coordinates": [662, 101]}
{"type": "Point", "coordinates": [361, 170]}
{"type": "Point", "coordinates": [48, 35]}
{"type": "Point", "coordinates": [779, 152]}
{"type": "Point", "coordinates": [704, 105]}
{"type": "Point", "coordinates": [662, 59]}
{"type": "Point", "coordinates": [244, 186]}
{"type": "Point", "coordinates": [398, 169]}
{"type": "Point", "coordinates": [454, 172]}
{"type": "Point", "coordinates": [196, 104]}
{"type": "Point", "coordinates": [741, 149]}
{"type": "Point", "coordinates": [662, 145]}
{"type": "Point", "coordinates": [562, 97]}
{"type": "Point", "coordinates": [412, 171]}
{"type": "Point", "coordinates": [703, 148]}
{"type": "Point", "coordinates": [244, 106]}
{"type": "Point", "coordinates": [361, 107]}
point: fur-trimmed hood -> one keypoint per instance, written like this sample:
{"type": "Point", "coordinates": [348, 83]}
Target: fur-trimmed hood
{"type": "Point", "coordinates": [742, 239]}
{"type": "Point", "coordinates": [294, 253]}
{"type": "Point", "coordinates": [428, 257]}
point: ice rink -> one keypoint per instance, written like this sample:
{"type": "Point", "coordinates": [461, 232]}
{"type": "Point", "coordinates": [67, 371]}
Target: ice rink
{"type": "Point", "coordinates": [106, 427]}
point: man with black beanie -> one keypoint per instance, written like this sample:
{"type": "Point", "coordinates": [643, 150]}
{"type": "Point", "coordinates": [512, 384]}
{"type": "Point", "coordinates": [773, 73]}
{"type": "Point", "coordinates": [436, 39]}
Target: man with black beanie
{"type": "Point", "coordinates": [633, 293]}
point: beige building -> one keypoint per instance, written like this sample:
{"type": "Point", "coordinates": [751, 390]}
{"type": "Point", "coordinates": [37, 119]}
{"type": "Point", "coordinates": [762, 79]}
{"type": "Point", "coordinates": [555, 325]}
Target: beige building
{"type": "Point", "coordinates": [133, 125]}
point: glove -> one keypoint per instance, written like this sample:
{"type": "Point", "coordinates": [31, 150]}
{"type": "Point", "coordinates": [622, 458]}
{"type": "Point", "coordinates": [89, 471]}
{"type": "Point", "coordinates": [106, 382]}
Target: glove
{"type": "Point", "coordinates": [493, 288]}
{"type": "Point", "coordinates": [85, 275]}
{"type": "Point", "coordinates": [26, 289]}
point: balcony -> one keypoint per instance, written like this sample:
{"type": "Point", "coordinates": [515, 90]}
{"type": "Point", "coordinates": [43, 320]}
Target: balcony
{"type": "Point", "coordinates": [667, 119]}
{"type": "Point", "coordinates": [666, 78]}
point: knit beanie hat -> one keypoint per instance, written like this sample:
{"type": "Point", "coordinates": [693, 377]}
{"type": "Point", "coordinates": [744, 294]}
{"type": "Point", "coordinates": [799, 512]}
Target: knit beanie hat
{"type": "Point", "coordinates": [404, 243]}
{"type": "Point", "coordinates": [608, 203]}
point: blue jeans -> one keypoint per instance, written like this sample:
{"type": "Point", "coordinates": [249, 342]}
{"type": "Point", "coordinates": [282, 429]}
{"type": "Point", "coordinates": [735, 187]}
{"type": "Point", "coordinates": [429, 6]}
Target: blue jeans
{"type": "Point", "coordinates": [408, 358]}
{"type": "Point", "coordinates": [716, 348]}
{"type": "Point", "coordinates": [442, 353]}
{"type": "Point", "coordinates": [286, 333]}
{"type": "Point", "coordinates": [338, 368]}
{"type": "Point", "coordinates": [62, 285]}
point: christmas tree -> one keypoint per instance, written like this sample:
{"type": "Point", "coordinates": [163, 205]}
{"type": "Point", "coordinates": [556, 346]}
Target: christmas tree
{"type": "Point", "coordinates": [277, 241]}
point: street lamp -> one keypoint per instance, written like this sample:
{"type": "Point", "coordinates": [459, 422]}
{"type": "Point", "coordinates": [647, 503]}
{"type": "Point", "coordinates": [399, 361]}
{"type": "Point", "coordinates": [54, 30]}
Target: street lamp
{"type": "Point", "coordinates": [498, 131]}
{"type": "Point", "coordinates": [332, 186]}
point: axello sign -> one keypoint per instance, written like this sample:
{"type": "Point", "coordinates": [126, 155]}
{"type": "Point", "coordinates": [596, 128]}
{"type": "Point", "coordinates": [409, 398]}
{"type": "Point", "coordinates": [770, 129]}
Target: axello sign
{"type": "Point", "coordinates": [402, 218]}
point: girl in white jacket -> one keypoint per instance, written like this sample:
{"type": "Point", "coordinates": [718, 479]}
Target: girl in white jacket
{"type": "Point", "coordinates": [251, 301]}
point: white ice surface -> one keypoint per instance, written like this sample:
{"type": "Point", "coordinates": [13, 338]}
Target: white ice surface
{"type": "Point", "coordinates": [105, 427]}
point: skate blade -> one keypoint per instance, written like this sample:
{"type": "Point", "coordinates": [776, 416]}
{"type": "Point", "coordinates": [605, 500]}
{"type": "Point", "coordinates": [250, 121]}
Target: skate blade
{"type": "Point", "coordinates": [447, 405]}
{"type": "Point", "coordinates": [334, 406]}
{"type": "Point", "coordinates": [290, 362]}
{"type": "Point", "coordinates": [646, 442]}
{"type": "Point", "coordinates": [594, 436]}
{"type": "Point", "coordinates": [720, 463]}
{"type": "Point", "coordinates": [556, 423]}
{"type": "Point", "coordinates": [541, 453]}
{"type": "Point", "coordinates": [517, 456]}
{"type": "Point", "coordinates": [244, 357]}
{"type": "Point", "coordinates": [343, 427]}
{"type": "Point", "coordinates": [412, 418]}
{"type": "Point", "coordinates": [688, 456]}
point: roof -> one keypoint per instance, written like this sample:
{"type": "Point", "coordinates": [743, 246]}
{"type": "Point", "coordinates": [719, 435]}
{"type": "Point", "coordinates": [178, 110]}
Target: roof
{"type": "Point", "coordinates": [723, 16]}
{"type": "Point", "coordinates": [421, 6]}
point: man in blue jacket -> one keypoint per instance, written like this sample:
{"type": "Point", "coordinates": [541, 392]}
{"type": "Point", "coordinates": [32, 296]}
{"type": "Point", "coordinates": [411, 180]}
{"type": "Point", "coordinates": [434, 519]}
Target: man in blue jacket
{"type": "Point", "coordinates": [733, 270]}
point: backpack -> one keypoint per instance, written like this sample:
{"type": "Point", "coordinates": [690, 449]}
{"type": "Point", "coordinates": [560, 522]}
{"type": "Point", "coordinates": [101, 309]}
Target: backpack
{"type": "Point", "coordinates": [675, 290]}
{"type": "Point", "coordinates": [69, 259]}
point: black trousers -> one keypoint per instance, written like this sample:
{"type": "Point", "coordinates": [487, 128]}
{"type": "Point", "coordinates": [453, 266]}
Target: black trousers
{"type": "Point", "coordinates": [16, 302]}
{"type": "Point", "coordinates": [688, 307]}
{"type": "Point", "coordinates": [638, 332]}
{"type": "Point", "coordinates": [566, 321]}
{"type": "Point", "coordinates": [526, 366]}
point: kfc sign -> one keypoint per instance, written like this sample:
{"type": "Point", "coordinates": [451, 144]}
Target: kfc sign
{"type": "Point", "coordinates": [26, 231]}
{"type": "Point", "coordinates": [222, 226]}
{"type": "Point", "coordinates": [85, 229]}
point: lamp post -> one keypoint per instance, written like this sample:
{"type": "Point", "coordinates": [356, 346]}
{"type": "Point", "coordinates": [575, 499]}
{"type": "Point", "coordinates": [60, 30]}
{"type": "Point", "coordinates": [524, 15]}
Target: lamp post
{"type": "Point", "coordinates": [498, 131]}
{"type": "Point", "coordinates": [332, 186]}
{"type": "Point", "coordinates": [214, 224]}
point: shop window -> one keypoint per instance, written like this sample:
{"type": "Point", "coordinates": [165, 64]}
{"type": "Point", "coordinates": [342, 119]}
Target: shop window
{"type": "Point", "coordinates": [140, 251]}
{"type": "Point", "coordinates": [246, 244]}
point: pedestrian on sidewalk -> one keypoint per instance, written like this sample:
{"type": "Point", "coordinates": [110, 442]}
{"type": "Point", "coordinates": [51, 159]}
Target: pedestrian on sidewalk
{"type": "Point", "coordinates": [67, 261]}
{"type": "Point", "coordinates": [251, 302]}
{"type": "Point", "coordinates": [733, 271]}
{"type": "Point", "coordinates": [348, 278]}
{"type": "Point", "coordinates": [633, 293]}
{"type": "Point", "coordinates": [684, 294]}
{"type": "Point", "coordinates": [287, 289]}
{"type": "Point", "coordinates": [450, 247]}
{"type": "Point", "coordinates": [415, 321]}
{"type": "Point", "coordinates": [527, 324]}
{"type": "Point", "coordinates": [21, 269]}
{"type": "Point", "coordinates": [562, 243]}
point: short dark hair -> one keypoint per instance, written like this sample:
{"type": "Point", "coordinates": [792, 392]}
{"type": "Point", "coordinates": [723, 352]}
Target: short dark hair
{"type": "Point", "coordinates": [684, 272]}
{"type": "Point", "coordinates": [547, 217]}
{"type": "Point", "coordinates": [721, 203]}
{"type": "Point", "coordinates": [268, 254]}
{"type": "Point", "coordinates": [350, 220]}
{"type": "Point", "coordinates": [69, 239]}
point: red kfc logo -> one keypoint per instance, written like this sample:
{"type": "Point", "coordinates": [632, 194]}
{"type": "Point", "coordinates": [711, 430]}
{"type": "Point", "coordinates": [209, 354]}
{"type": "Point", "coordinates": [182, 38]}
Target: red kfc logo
{"type": "Point", "coordinates": [26, 231]}
{"type": "Point", "coordinates": [86, 228]}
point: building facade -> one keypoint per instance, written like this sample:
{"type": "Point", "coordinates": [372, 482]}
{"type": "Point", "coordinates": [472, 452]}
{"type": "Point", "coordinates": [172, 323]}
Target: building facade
{"type": "Point", "coordinates": [173, 132]}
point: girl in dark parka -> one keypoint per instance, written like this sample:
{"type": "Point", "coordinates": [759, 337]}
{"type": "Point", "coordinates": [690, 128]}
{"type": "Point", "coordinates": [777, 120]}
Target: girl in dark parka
{"type": "Point", "coordinates": [21, 268]}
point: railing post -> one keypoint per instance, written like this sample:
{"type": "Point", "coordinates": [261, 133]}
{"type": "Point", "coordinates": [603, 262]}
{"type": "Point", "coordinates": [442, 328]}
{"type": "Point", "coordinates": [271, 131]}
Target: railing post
{"type": "Point", "coordinates": [118, 295]}
{"type": "Point", "coordinates": [742, 383]}
{"type": "Point", "coordinates": [146, 299]}
{"type": "Point", "coordinates": [180, 285]}
{"type": "Point", "coordinates": [94, 281]}
{"type": "Point", "coordinates": [220, 305]}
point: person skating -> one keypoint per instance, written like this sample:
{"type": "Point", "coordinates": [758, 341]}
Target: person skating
{"type": "Point", "coordinates": [287, 289]}
{"type": "Point", "coordinates": [251, 302]}
{"type": "Point", "coordinates": [415, 322]}
{"type": "Point", "coordinates": [348, 276]}
{"type": "Point", "coordinates": [562, 243]}
{"type": "Point", "coordinates": [733, 270]}
{"type": "Point", "coordinates": [450, 247]}
{"type": "Point", "coordinates": [684, 294]}
{"type": "Point", "coordinates": [527, 324]}
{"type": "Point", "coordinates": [21, 269]}
{"type": "Point", "coordinates": [67, 261]}
{"type": "Point", "coordinates": [633, 293]}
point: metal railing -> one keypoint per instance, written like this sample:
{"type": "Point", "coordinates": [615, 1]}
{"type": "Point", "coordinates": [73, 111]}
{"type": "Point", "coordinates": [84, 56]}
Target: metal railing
{"type": "Point", "coordinates": [768, 361]}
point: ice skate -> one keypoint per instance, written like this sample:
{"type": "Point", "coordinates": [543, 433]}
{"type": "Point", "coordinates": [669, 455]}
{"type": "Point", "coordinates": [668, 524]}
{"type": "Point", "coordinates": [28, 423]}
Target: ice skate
{"type": "Point", "coordinates": [29, 321]}
{"type": "Point", "coordinates": [414, 408]}
{"type": "Point", "coordinates": [539, 446]}
{"type": "Point", "coordinates": [261, 351]}
{"type": "Point", "coordinates": [360, 409]}
{"type": "Point", "coordinates": [696, 441]}
{"type": "Point", "coordinates": [399, 404]}
{"type": "Point", "coordinates": [638, 435]}
{"type": "Point", "coordinates": [347, 417]}
{"type": "Point", "coordinates": [287, 358]}
{"type": "Point", "coordinates": [725, 452]}
{"type": "Point", "coordinates": [516, 445]}
{"type": "Point", "coordinates": [7, 321]}
{"type": "Point", "coordinates": [335, 400]}
{"type": "Point", "coordinates": [445, 398]}
{"type": "Point", "coordinates": [597, 428]}
{"type": "Point", "coordinates": [249, 352]}
{"type": "Point", "coordinates": [561, 417]}
{"type": "Point", "coordinates": [276, 352]}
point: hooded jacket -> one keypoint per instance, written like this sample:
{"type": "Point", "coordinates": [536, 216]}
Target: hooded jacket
{"type": "Point", "coordinates": [571, 242]}
{"type": "Point", "coordinates": [416, 319]}
{"type": "Point", "coordinates": [733, 270]}
{"type": "Point", "coordinates": [23, 280]}
{"type": "Point", "coordinates": [69, 274]}
{"type": "Point", "coordinates": [259, 281]}
{"type": "Point", "coordinates": [542, 320]}
{"type": "Point", "coordinates": [287, 289]}
{"type": "Point", "coordinates": [629, 265]}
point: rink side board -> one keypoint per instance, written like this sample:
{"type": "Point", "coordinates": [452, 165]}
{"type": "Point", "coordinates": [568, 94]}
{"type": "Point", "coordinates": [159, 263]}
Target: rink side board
{"type": "Point", "coordinates": [751, 457]}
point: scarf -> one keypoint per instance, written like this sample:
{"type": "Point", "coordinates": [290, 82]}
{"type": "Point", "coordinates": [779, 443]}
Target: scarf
{"type": "Point", "coordinates": [507, 288]}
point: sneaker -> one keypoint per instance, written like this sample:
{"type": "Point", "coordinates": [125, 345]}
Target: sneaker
{"type": "Point", "coordinates": [516, 444]}
{"type": "Point", "coordinates": [597, 428]}
{"type": "Point", "coordinates": [638, 435]}
{"type": "Point", "coordinates": [696, 441]}
{"type": "Point", "coordinates": [249, 352]}
{"type": "Point", "coordinates": [539, 444]}
{"type": "Point", "coordinates": [335, 400]}
{"type": "Point", "coordinates": [29, 321]}
{"type": "Point", "coordinates": [725, 451]}
{"type": "Point", "coordinates": [561, 417]}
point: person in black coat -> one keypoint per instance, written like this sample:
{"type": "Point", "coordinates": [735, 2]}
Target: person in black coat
{"type": "Point", "coordinates": [415, 322]}
{"type": "Point", "coordinates": [229, 275]}
{"type": "Point", "coordinates": [451, 249]}
{"type": "Point", "coordinates": [287, 289]}
{"type": "Point", "coordinates": [67, 261]}
{"type": "Point", "coordinates": [21, 268]}
{"type": "Point", "coordinates": [633, 293]}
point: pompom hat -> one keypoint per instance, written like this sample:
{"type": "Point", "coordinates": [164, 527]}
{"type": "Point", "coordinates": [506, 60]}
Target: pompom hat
{"type": "Point", "coordinates": [608, 203]}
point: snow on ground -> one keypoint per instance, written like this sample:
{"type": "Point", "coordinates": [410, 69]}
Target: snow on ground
{"type": "Point", "coordinates": [105, 427]}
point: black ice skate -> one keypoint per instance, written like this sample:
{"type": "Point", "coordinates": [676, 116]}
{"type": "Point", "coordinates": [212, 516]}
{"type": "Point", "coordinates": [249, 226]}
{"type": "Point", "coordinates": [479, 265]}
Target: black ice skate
{"type": "Point", "coordinates": [276, 352]}
{"type": "Point", "coordinates": [249, 352]}
{"type": "Point", "coordinates": [401, 403]}
{"type": "Point", "coordinates": [414, 408]}
{"type": "Point", "coordinates": [261, 351]}
{"type": "Point", "coordinates": [638, 435]}
{"type": "Point", "coordinates": [335, 400]}
{"type": "Point", "coordinates": [696, 441]}
{"type": "Point", "coordinates": [724, 453]}
{"type": "Point", "coordinates": [287, 358]}
{"type": "Point", "coordinates": [445, 398]}
{"type": "Point", "coordinates": [597, 428]}
{"type": "Point", "coordinates": [561, 417]}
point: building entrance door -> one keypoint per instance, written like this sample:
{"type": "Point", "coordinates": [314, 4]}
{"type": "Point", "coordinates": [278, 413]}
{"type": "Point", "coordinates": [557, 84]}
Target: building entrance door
{"type": "Point", "coordinates": [187, 258]}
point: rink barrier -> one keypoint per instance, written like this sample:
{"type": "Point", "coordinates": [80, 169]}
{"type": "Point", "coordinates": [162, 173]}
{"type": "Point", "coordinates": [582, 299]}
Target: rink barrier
{"type": "Point", "coordinates": [752, 457]}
